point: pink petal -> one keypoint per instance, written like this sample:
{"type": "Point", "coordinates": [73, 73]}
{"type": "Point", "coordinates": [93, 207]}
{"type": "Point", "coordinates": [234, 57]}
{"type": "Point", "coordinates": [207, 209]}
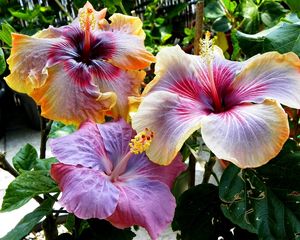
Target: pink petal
{"type": "Point", "coordinates": [192, 76]}
{"type": "Point", "coordinates": [172, 119]}
{"type": "Point", "coordinates": [139, 165]}
{"type": "Point", "coordinates": [124, 83]}
{"type": "Point", "coordinates": [146, 203]}
{"type": "Point", "coordinates": [270, 75]}
{"type": "Point", "coordinates": [70, 96]}
{"type": "Point", "coordinates": [130, 52]}
{"type": "Point", "coordinates": [85, 192]}
{"type": "Point", "coordinates": [84, 147]}
{"type": "Point", "coordinates": [247, 135]}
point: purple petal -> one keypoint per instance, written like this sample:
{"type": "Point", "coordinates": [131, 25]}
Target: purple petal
{"type": "Point", "coordinates": [84, 147]}
{"type": "Point", "coordinates": [146, 203]}
{"type": "Point", "coordinates": [116, 137]}
{"type": "Point", "coordinates": [85, 192]}
{"type": "Point", "coordinates": [140, 165]}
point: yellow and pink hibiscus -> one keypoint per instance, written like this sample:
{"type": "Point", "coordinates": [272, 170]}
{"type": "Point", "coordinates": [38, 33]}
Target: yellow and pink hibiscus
{"type": "Point", "coordinates": [85, 70]}
{"type": "Point", "coordinates": [102, 176]}
{"type": "Point", "coordinates": [235, 104]}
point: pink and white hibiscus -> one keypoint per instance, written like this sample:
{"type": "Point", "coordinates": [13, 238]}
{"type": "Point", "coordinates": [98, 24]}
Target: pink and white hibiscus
{"type": "Point", "coordinates": [236, 105]}
{"type": "Point", "coordinates": [85, 70]}
{"type": "Point", "coordinates": [100, 177]}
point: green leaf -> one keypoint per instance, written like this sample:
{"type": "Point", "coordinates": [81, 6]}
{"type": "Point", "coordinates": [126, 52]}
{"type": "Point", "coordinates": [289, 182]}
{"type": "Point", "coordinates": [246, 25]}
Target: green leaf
{"type": "Point", "coordinates": [175, 10]}
{"type": "Point", "coordinates": [284, 37]}
{"type": "Point", "coordinates": [198, 216]}
{"type": "Point", "coordinates": [230, 5]}
{"type": "Point", "coordinates": [25, 158]}
{"type": "Point", "coordinates": [2, 61]}
{"type": "Point", "coordinates": [213, 10]}
{"type": "Point", "coordinates": [5, 33]}
{"type": "Point", "coordinates": [44, 164]}
{"type": "Point", "coordinates": [221, 24]}
{"type": "Point", "coordinates": [294, 5]}
{"type": "Point", "coordinates": [264, 200]}
{"type": "Point", "coordinates": [25, 226]}
{"type": "Point", "coordinates": [250, 13]}
{"type": "Point", "coordinates": [26, 186]}
{"type": "Point", "coordinates": [271, 12]}
{"type": "Point", "coordinates": [59, 129]}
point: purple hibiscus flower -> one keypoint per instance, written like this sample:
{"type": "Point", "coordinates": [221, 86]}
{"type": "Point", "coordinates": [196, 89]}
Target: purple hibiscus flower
{"type": "Point", "coordinates": [101, 176]}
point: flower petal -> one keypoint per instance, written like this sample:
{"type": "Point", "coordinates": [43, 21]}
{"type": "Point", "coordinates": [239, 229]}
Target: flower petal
{"type": "Point", "coordinates": [27, 61]}
{"type": "Point", "coordinates": [146, 203]}
{"type": "Point", "coordinates": [192, 76]}
{"type": "Point", "coordinates": [139, 165]}
{"type": "Point", "coordinates": [127, 24]}
{"type": "Point", "coordinates": [172, 119]}
{"type": "Point", "coordinates": [130, 52]}
{"type": "Point", "coordinates": [124, 83]}
{"type": "Point", "coordinates": [70, 96]}
{"type": "Point", "coordinates": [247, 135]}
{"type": "Point", "coordinates": [270, 75]}
{"type": "Point", "coordinates": [84, 147]}
{"type": "Point", "coordinates": [85, 192]}
{"type": "Point", "coordinates": [116, 137]}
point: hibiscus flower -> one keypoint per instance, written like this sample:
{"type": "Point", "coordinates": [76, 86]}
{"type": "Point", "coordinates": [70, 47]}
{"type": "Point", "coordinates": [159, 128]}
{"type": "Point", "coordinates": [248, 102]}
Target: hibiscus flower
{"type": "Point", "coordinates": [235, 104]}
{"type": "Point", "coordinates": [101, 176]}
{"type": "Point", "coordinates": [85, 70]}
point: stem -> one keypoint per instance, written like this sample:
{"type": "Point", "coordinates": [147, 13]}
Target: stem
{"type": "Point", "coordinates": [208, 169]}
{"type": "Point", "coordinates": [63, 9]}
{"type": "Point", "coordinates": [5, 165]}
{"type": "Point", "coordinates": [45, 129]}
{"type": "Point", "coordinates": [49, 226]}
{"type": "Point", "coordinates": [191, 170]}
{"type": "Point", "coordinates": [198, 26]}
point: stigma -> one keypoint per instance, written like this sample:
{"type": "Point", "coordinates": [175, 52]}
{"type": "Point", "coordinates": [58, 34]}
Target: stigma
{"type": "Point", "coordinates": [141, 142]}
{"type": "Point", "coordinates": [206, 46]}
{"type": "Point", "coordinates": [87, 18]}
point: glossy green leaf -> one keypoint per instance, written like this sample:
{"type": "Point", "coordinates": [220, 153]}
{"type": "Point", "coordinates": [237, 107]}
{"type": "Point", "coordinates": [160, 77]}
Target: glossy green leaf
{"type": "Point", "coordinates": [284, 37]}
{"type": "Point", "coordinates": [230, 5]}
{"type": "Point", "coordinates": [59, 129]}
{"type": "Point", "coordinates": [25, 158]}
{"type": "Point", "coordinates": [264, 200]}
{"type": "Point", "coordinates": [271, 12]}
{"type": "Point", "coordinates": [25, 226]}
{"type": "Point", "coordinates": [44, 164]}
{"type": "Point", "coordinates": [250, 14]}
{"type": "Point", "coordinates": [213, 10]}
{"type": "Point", "coordinates": [2, 61]}
{"type": "Point", "coordinates": [5, 33]}
{"type": "Point", "coordinates": [198, 216]}
{"type": "Point", "coordinates": [25, 187]}
{"type": "Point", "coordinates": [221, 24]}
{"type": "Point", "coordinates": [294, 5]}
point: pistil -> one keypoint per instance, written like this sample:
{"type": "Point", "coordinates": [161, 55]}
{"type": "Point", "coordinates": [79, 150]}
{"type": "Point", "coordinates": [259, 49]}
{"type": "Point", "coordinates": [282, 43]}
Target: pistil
{"type": "Point", "coordinates": [138, 144]}
{"type": "Point", "coordinates": [87, 23]}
